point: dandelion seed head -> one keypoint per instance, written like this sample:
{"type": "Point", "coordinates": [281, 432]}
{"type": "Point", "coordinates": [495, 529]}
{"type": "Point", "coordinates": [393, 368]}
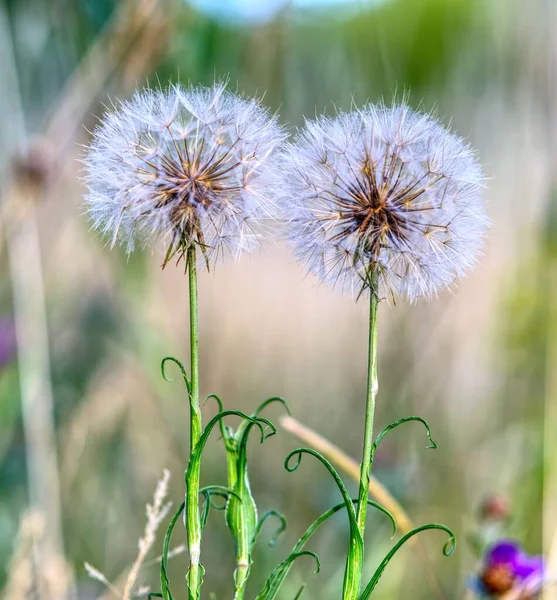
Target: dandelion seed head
{"type": "Point", "coordinates": [382, 188]}
{"type": "Point", "coordinates": [183, 165]}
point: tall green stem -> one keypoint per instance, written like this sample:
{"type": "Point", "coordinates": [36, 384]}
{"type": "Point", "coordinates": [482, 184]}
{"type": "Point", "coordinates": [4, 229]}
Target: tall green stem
{"type": "Point", "coordinates": [195, 422]}
{"type": "Point", "coordinates": [372, 388]}
{"type": "Point", "coordinates": [193, 517]}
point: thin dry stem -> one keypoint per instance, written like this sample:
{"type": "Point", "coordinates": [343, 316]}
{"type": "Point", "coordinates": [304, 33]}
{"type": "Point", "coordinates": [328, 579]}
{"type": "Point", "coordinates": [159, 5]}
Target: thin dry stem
{"type": "Point", "coordinates": [156, 513]}
{"type": "Point", "coordinates": [22, 241]}
{"type": "Point", "coordinates": [101, 577]}
{"type": "Point", "coordinates": [20, 228]}
{"type": "Point", "coordinates": [125, 30]}
{"type": "Point", "coordinates": [51, 576]}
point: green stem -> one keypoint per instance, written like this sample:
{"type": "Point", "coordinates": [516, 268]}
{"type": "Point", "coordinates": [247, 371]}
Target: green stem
{"type": "Point", "coordinates": [195, 423]}
{"type": "Point", "coordinates": [193, 516]}
{"type": "Point", "coordinates": [372, 388]}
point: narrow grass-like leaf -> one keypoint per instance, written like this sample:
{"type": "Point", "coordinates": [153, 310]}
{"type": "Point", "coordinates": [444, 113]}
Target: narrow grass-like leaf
{"type": "Point", "coordinates": [241, 516]}
{"type": "Point", "coordinates": [221, 408]}
{"type": "Point", "coordinates": [269, 401]}
{"type": "Point", "coordinates": [355, 554]}
{"type": "Point", "coordinates": [278, 531]}
{"type": "Point", "coordinates": [192, 477]}
{"type": "Point", "coordinates": [210, 491]}
{"type": "Point", "coordinates": [386, 430]}
{"type": "Point", "coordinates": [166, 594]}
{"type": "Point", "coordinates": [277, 577]}
{"type": "Point", "coordinates": [448, 549]}
{"type": "Point", "coordinates": [196, 454]}
{"type": "Point", "coordinates": [219, 490]}
{"type": "Point", "coordinates": [182, 370]}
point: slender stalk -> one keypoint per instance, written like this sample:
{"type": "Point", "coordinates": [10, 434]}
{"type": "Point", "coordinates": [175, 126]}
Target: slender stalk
{"type": "Point", "coordinates": [18, 219]}
{"type": "Point", "coordinates": [372, 388]}
{"type": "Point", "coordinates": [193, 517]}
{"type": "Point", "coordinates": [195, 423]}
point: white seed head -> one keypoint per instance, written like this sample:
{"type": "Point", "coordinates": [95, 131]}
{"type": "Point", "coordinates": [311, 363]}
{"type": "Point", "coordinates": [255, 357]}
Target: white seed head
{"type": "Point", "coordinates": [182, 165]}
{"type": "Point", "coordinates": [382, 188]}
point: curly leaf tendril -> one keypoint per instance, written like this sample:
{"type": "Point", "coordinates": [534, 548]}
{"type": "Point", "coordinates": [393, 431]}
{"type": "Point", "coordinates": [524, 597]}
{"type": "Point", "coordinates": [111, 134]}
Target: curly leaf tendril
{"type": "Point", "coordinates": [278, 575]}
{"type": "Point", "coordinates": [448, 549]}
{"type": "Point", "coordinates": [269, 401]}
{"type": "Point", "coordinates": [196, 454]}
{"type": "Point", "coordinates": [299, 452]}
{"type": "Point", "coordinates": [392, 426]}
{"type": "Point", "coordinates": [182, 370]}
{"type": "Point", "coordinates": [278, 530]}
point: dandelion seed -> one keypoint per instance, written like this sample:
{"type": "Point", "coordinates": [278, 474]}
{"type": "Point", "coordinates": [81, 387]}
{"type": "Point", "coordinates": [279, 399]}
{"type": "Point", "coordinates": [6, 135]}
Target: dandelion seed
{"type": "Point", "coordinates": [384, 189]}
{"type": "Point", "coordinates": [182, 165]}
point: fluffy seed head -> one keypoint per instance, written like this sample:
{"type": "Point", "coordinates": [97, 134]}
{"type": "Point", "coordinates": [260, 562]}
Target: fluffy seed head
{"type": "Point", "coordinates": [382, 190]}
{"type": "Point", "coordinates": [182, 165]}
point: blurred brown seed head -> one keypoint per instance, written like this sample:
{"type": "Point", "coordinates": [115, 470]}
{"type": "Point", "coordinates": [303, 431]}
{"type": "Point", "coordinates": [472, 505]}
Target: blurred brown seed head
{"type": "Point", "coordinates": [32, 169]}
{"type": "Point", "coordinates": [495, 507]}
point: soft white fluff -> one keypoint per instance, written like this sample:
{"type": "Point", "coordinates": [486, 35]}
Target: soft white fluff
{"type": "Point", "coordinates": [382, 187]}
{"type": "Point", "coordinates": [182, 165]}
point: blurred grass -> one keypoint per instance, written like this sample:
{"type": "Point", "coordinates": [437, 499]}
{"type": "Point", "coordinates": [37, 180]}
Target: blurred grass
{"type": "Point", "coordinates": [474, 364]}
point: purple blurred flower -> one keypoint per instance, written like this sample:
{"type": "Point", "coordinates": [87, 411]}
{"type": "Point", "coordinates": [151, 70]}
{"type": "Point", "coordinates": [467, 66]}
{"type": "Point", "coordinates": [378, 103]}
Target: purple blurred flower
{"type": "Point", "coordinates": [7, 341]}
{"type": "Point", "coordinates": [507, 569]}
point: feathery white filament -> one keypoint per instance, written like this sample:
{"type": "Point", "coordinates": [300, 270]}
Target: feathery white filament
{"type": "Point", "coordinates": [387, 188]}
{"type": "Point", "coordinates": [182, 165]}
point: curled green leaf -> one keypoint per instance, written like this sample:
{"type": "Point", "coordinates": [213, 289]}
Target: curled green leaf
{"type": "Point", "coordinates": [355, 554]}
{"type": "Point", "coordinates": [166, 594]}
{"type": "Point", "coordinates": [218, 490]}
{"type": "Point", "coordinates": [271, 429]}
{"type": "Point", "coordinates": [216, 398]}
{"type": "Point", "coordinates": [269, 401]}
{"type": "Point", "coordinates": [277, 577]}
{"type": "Point", "coordinates": [221, 408]}
{"type": "Point", "coordinates": [297, 555]}
{"type": "Point", "coordinates": [196, 454]}
{"type": "Point", "coordinates": [278, 531]}
{"type": "Point", "coordinates": [182, 370]}
{"type": "Point", "coordinates": [299, 452]}
{"type": "Point", "coordinates": [386, 430]}
{"type": "Point", "coordinates": [214, 490]}
{"type": "Point", "coordinates": [448, 549]}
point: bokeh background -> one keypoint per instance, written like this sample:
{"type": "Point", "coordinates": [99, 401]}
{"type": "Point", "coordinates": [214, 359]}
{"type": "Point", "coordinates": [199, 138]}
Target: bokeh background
{"type": "Point", "coordinates": [87, 423]}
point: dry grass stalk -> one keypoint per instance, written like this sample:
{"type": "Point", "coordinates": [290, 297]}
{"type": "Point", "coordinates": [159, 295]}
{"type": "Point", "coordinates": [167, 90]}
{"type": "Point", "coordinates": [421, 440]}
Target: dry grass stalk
{"type": "Point", "coordinates": [24, 189]}
{"type": "Point", "coordinates": [156, 512]}
{"type": "Point", "coordinates": [124, 35]}
{"type": "Point", "coordinates": [50, 576]}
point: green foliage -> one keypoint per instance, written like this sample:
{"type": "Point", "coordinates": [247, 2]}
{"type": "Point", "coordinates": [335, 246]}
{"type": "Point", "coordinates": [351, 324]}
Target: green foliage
{"type": "Point", "coordinates": [448, 549]}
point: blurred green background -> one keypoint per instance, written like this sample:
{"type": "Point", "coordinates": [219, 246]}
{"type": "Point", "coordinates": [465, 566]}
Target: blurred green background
{"type": "Point", "coordinates": [86, 422]}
